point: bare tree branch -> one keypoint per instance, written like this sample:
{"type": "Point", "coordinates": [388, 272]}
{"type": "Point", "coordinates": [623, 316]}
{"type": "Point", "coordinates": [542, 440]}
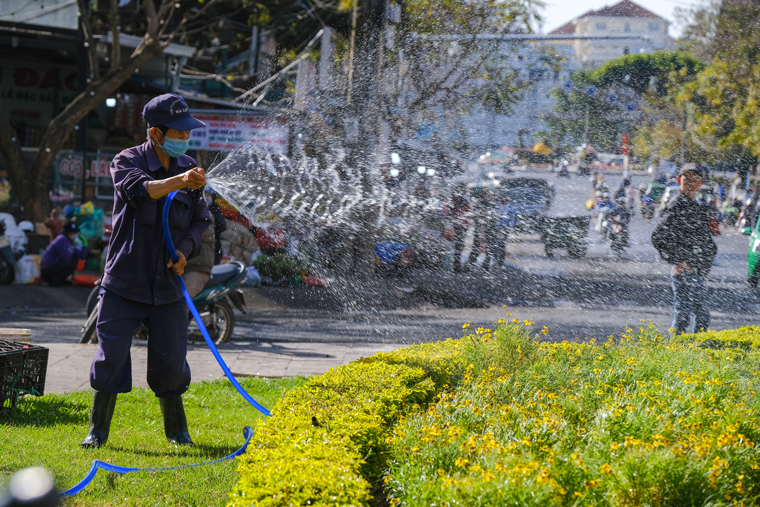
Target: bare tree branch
{"type": "Point", "coordinates": [84, 21]}
{"type": "Point", "coordinates": [185, 21]}
{"type": "Point", "coordinates": [113, 17]}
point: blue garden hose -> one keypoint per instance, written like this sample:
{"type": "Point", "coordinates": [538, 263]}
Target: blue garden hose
{"type": "Point", "coordinates": [194, 311]}
{"type": "Point", "coordinates": [247, 431]}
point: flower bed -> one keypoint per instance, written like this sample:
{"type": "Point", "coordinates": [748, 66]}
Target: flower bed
{"type": "Point", "coordinates": [501, 418]}
{"type": "Point", "coordinates": [642, 422]}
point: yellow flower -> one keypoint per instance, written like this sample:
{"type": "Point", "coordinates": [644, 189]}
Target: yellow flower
{"type": "Point", "coordinates": [545, 330]}
{"type": "Point", "coordinates": [605, 469]}
{"type": "Point", "coordinates": [461, 462]}
{"type": "Point", "coordinates": [466, 325]}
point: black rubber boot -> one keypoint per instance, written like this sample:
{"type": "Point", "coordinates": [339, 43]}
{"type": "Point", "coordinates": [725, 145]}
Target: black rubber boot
{"type": "Point", "coordinates": [100, 420]}
{"type": "Point", "coordinates": [175, 422]}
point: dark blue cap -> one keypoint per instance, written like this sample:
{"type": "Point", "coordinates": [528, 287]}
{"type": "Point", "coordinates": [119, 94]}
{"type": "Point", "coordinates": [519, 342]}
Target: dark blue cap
{"type": "Point", "coordinates": [170, 110]}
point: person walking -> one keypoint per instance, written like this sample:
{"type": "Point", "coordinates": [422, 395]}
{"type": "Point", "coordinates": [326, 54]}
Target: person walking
{"type": "Point", "coordinates": [459, 211]}
{"type": "Point", "coordinates": [684, 239]}
{"type": "Point", "coordinates": [139, 283]}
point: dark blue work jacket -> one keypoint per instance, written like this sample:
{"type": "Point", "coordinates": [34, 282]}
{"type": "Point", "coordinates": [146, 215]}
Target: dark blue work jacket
{"type": "Point", "coordinates": [137, 255]}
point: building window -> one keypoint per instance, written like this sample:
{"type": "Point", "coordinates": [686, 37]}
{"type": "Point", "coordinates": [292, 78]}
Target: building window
{"type": "Point", "coordinates": [601, 26]}
{"type": "Point", "coordinates": [627, 27]}
{"type": "Point", "coordinates": [654, 27]}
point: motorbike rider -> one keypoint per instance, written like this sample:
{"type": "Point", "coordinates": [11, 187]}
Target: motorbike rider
{"type": "Point", "coordinates": [139, 283]}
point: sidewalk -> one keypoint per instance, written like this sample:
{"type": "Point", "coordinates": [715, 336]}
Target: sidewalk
{"type": "Point", "coordinates": [69, 364]}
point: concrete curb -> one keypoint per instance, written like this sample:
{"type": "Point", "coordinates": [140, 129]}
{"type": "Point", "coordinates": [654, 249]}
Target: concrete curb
{"type": "Point", "coordinates": [69, 364]}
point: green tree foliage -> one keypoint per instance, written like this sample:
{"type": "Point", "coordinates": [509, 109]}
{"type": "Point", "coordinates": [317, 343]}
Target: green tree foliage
{"type": "Point", "coordinates": [727, 92]}
{"type": "Point", "coordinates": [642, 72]}
{"type": "Point", "coordinates": [599, 106]}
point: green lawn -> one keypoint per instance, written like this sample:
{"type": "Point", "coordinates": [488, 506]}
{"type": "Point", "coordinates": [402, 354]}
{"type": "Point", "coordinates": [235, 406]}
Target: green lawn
{"type": "Point", "coordinates": [47, 431]}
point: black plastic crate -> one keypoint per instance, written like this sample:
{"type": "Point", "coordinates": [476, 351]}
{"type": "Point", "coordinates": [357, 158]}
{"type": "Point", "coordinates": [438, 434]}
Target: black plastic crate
{"type": "Point", "coordinates": [22, 371]}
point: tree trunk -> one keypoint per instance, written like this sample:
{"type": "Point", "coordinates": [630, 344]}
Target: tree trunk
{"type": "Point", "coordinates": [365, 105]}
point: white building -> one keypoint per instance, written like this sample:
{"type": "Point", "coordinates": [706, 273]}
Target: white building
{"type": "Point", "coordinates": [490, 130]}
{"type": "Point", "coordinates": [585, 42]}
{"type": "Point", "coordinates": [630, 27]}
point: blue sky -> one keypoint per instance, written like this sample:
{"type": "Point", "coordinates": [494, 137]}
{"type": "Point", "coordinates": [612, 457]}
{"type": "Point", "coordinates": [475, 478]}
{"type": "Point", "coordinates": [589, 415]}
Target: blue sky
{"type": "Point", "coordinates": [559, 12]}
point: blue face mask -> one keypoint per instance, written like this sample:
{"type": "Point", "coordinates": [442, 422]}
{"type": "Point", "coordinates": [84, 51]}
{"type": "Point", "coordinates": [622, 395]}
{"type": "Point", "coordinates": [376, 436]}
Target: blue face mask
{"type": "Point", "coordinates": [174, 147]}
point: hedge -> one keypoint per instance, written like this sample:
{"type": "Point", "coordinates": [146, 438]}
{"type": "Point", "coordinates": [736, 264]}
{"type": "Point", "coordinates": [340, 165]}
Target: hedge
{"type": "Point", "coordinates": [326, 443]}
{"type": "Point", "coordinates": [500, 417]}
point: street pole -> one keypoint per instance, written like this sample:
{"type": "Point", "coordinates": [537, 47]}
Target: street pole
{"type": "Point", "coordinates": [253, 57]}
{"type": "Point", "coordinates": [83, 72]}
{"type": "Point", "coordinates": [585, 130]}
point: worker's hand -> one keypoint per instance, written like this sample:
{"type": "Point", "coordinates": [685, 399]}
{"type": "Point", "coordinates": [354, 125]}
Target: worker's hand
{"type": "Point", "coordinates": [179, 267]}
{"type": "Point", "coordinates": [681, 268]}
{"type": "Point", "coordinates": [194, 178]}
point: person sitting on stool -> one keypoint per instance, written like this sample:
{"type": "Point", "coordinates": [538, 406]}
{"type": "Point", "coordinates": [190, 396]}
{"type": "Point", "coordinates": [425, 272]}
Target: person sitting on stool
{"type": "Point", "coordinates": [62, 255]}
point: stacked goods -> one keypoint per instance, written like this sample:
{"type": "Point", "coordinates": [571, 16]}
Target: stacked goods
{"type": "Point", "coordinates": [238, 242]}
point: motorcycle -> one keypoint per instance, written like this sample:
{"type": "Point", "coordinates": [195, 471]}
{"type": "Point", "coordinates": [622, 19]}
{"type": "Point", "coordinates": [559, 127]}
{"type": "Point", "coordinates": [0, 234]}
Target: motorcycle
{"type": "Point", "coordinates": [563, 171]}
{"type": "Point", "coordinates": [7, 259]}
{"type": "Point", "coordinates": [214, 305]}
{"type": "Point", "coordinates": [618, 230]}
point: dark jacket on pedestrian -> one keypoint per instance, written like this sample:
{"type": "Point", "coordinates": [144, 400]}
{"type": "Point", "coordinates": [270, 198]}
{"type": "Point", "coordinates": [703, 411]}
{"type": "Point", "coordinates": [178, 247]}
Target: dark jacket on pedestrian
{"type": "Point", "coordinates": [683, 234]}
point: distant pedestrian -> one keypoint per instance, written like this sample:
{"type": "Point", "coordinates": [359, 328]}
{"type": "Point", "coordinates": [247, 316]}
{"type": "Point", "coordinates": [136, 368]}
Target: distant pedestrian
{"type": "Point", "coordinates": [459, 211]}
{"type": "Point", "coordinates": [684, 239]}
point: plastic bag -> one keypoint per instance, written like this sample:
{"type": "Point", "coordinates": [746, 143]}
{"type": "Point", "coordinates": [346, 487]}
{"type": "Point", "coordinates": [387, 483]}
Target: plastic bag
{"type": "Point", "coordinates": [27, 270]}
{"type": "Point", "coordinates": [254, 279]}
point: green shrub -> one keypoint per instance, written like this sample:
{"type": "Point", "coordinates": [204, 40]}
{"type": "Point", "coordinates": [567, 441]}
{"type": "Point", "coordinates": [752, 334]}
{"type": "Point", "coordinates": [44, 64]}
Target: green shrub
{"type": "Point", "coordinates": [280, 265]}
{"type": "Point", "coordinates": [327, 440]}
{"type": "Point", "coordinates": [645, 421]}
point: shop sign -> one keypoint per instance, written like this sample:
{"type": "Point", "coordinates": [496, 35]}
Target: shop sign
{"type": "Point", "coordinates": [71, 167]}
{"type": "Point", "coordinates": [100, 167]}
{"type": "Point", "coordinates": [232, 130]}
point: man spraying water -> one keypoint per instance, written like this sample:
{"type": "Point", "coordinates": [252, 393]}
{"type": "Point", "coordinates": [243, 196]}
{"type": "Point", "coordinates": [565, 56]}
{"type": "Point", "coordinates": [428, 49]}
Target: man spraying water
{"type": "Point", "coordinates": [139, 283]}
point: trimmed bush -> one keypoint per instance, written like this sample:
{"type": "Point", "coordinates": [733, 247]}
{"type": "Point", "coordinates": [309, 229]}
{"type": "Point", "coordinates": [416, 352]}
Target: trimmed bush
{"type": "Point", "coordinates": [501, 418]}
{"type": "Point", "coordinates": [326, 443]}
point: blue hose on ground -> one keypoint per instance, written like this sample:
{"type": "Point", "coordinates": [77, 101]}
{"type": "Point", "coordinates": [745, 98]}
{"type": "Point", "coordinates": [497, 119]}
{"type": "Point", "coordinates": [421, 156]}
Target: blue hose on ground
{"type": "Point", "coordinates": [194, 311]}
{"type": "Point", "coordinates": [247, 431]}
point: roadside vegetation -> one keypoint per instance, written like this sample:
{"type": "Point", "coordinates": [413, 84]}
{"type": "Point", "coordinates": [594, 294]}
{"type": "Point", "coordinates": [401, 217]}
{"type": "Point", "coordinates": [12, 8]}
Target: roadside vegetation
{"type": "Point", "coordinates": [645, 421]}
{"type": "Point", "coordinates": [46, 431]}
{"type": "Point", "coordinates": [499, 417]}
{"type": "Point", "coordinates": [503, 418]}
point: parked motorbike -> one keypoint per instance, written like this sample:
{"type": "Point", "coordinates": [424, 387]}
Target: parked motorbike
{"type": "Point", "coordinates": [214, 305]}
{"type": "Point", "coordinates": [7, 259]}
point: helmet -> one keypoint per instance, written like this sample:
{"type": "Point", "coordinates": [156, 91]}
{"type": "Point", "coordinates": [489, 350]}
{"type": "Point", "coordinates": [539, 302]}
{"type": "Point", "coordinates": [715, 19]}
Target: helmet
{"type": "Point", "coordinates": [26, 226]}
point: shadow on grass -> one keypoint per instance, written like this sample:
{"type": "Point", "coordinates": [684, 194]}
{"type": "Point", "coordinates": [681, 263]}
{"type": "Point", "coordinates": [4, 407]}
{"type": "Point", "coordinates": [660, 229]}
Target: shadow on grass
{"type": "Point", "coordinates": [46, 411]}
{"type": "Point", "coordinates": [202, 452]}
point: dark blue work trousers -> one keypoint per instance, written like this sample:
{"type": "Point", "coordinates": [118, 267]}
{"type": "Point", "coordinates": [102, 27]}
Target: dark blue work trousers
{"type": "Point", "coordinates": [168, 371]}
{"type": "Point", "coordinates": [689, 298]}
